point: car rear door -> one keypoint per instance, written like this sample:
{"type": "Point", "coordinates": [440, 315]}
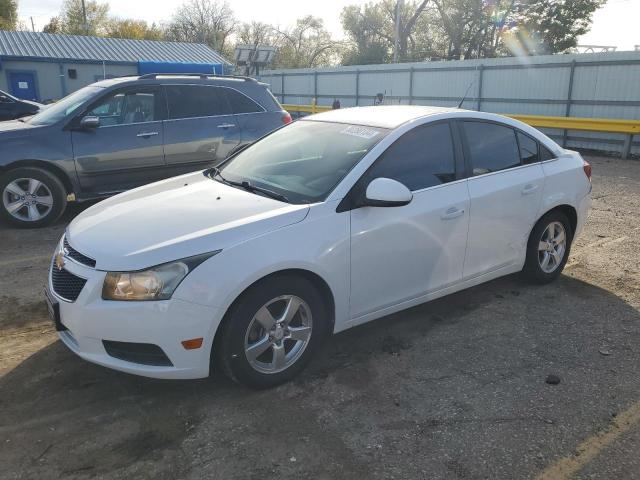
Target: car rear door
{"type": "Point", "coordinates": [254, 119]}
{"type": "Point", "coordinates": [399, 254]}
{"type": "Point", "coordinates": [126, 150]}
{"type": "Point", "coordinates": [505, 193]}
{"type": "Point", "coordinates": [200, 130]}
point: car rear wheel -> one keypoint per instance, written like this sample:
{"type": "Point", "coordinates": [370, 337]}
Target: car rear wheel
{"type": "Point", "coordinates": [548, 248]}
{"type": "Point", "coordinates": [272, 332]}
{"type": "Point", "coordinates": [31, 197]}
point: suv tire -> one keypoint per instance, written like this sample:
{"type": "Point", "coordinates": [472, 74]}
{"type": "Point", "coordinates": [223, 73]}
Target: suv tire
{"type": "Point", "coordinates": [31, 197]}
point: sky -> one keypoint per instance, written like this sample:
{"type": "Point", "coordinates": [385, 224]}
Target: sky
{"type": "Point", "coordinates": [615, 24]}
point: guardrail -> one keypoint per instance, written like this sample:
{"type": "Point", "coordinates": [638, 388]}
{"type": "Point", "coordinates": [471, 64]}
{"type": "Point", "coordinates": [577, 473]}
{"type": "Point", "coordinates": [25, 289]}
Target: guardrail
{"type": "Point", "coordinates": [627, 127]}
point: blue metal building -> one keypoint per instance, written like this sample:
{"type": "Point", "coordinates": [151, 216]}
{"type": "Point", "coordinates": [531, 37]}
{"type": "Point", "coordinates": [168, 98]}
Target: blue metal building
{"type": "Point", "coordinates": [42, 66]}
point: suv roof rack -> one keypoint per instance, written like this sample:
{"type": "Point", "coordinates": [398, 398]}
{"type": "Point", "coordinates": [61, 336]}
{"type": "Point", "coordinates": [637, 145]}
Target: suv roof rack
{"type": "Point", "coordinates": [199, 75]}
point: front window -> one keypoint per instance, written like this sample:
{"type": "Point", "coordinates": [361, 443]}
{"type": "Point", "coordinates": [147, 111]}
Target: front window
{"type": "Point", "coordinates": [64, 107]}
{"type": "Point", "coordinates": [305, 160]}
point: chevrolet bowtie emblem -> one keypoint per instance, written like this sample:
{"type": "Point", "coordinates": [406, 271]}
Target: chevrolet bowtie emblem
{"type": "Point", "coordinates": [59, 261]}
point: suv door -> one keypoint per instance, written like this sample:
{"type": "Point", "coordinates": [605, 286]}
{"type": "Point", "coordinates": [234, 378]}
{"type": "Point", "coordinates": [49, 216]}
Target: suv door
{"type": "Point", "coordinates": [402, 253]}
{"type": "Point", "coordinates": [254, 120]}
{"type": "Point", "coordinates": [126, 150]}
{"type": "Point", "coordinates": [200, 130]}
{"type": "Point", "coordinates": [506, 194]}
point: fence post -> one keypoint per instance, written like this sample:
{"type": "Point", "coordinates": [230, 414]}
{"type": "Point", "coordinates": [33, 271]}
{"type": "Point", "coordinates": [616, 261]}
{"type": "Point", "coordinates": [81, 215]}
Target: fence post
{"type": "Point", "coordinates": [357, 86]}
{"type": "Point", "coordinates": [314, 103]}
{"type": "Point", "coordinates": [282, 87]}
{"type": "Point", "coordinates": [567, 112]}
{"type": "Point", "coordinates": [479, 99]}
{"type": "Point", "coordinates": [626, 150]}
{"type": "Point", "coordinates": [411, 86]}
{"type": "Point", "coordinates": [315, 88]}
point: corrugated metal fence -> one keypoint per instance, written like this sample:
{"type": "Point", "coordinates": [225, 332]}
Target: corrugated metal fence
{"type": "Point", "coordinates": [600, 85]}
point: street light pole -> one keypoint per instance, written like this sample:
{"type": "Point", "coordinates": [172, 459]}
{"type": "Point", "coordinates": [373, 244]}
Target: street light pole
{"type": "Point", "coordinates": [396, 45]}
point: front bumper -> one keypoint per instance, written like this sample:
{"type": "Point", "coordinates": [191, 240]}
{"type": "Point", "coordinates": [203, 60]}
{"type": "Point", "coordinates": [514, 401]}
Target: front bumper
{"type": "Point", "coordinates": [90, 320]}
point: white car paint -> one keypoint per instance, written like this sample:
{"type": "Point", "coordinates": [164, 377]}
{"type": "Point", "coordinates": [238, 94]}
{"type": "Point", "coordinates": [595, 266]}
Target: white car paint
{"type": "Point", "coordinates": [375, 261]}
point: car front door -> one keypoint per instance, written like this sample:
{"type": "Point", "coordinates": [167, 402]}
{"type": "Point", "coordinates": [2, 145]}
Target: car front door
{"type": "Point", "coordinates": [201, 129]}
{"type": "Point", "coordinates": [506, 194]}
{"type": "Point", "coordinates": [126, 149]}
{"type": "Point", "coordinates": [402, 253]}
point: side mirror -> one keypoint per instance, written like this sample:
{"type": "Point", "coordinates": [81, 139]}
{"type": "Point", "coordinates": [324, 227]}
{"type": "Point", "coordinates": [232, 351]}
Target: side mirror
{"type": "Point", "coordinates": [385, 192]}
{"type": "Point", "coordinates": [89, 123]}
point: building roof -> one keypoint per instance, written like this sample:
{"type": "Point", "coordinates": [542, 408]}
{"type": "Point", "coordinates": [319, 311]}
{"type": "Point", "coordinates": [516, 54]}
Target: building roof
{"type": "Point", "coordinates": [39, 46]}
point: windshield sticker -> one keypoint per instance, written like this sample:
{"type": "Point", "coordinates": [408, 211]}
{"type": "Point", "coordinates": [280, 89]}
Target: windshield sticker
{"type": "Point", "coordinates": [361, 132]}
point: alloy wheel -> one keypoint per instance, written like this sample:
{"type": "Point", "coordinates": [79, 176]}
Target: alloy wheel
{"type": "Point", "coordinates": [278, 334]}
{"type": "Point", "coordinates": [27, 199]}
{"type": "Point", "coordinates": [552, 247]}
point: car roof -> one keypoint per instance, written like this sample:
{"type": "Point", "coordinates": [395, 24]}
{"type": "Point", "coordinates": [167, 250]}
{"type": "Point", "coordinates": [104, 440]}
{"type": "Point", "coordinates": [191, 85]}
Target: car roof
{"type": "Point", "coordinates": [382, 116]}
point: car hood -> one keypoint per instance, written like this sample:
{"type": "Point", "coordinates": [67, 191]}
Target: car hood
{"type": "Point", "coordinates": [173, 219]}
{"type": "Point", "coordinates": [14, 126]}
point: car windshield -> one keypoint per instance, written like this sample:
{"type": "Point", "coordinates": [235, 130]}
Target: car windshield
{"type": "Point", "coordinates": [303, 161]}
{"type": "Point", "coordinates": [64, 107]}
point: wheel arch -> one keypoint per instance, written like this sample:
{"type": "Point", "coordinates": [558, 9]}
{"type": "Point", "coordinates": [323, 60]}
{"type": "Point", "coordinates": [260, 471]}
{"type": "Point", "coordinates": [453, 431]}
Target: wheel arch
{"type": "Point", "coordinates": [569, 211]}
{"type": "Point", "coordinates": [315, 279]}
{"type": "Point", "coordinates": [47, 166]}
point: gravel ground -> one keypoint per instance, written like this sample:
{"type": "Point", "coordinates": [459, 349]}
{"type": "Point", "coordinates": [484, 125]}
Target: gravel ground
{"type": "Point", "coordinates": [452, 389]}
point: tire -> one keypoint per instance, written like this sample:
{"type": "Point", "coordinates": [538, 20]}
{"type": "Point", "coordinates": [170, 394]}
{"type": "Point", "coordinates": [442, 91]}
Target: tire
{"type": "Point", "coordinates": [544, 266]}
{"type": "Point", "coordinates": [49, 194]}
{"type": "Point", "coordinates": [242, 330]}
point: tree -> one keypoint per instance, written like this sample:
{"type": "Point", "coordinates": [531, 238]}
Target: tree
{"type": "Point", "coordinates": [256, 33]}
{"type": "Point", "coordinates": [133, 29]}
{"type": "Point", "coordinates": [371, 28]}
{"type": "Point", "coordinates": [8, 14]}
{"type": "Point", "coordinates": [71, 18]}
{"type": "Point", "coordinates": [555, 24]}
{"type": "Point", "coordinates": [307, 44]}
{"type": "Point", "coordinates": [203, 21]}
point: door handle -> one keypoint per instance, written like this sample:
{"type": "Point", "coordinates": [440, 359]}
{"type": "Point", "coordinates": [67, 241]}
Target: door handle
{"type": "Point", "coordinates": [528, 189]}
{"type": "Point", "coordinates": [147, 134]}
{"type": "Point", "coordinates": [452, 212]}
{"type": "Point", "coordinates": [226, 125]}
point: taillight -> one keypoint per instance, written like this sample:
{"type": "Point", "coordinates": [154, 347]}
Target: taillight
{"type": "Point", "coordinates": [586, 166]}
{"type": "Point", "coordinates": [286, 117]}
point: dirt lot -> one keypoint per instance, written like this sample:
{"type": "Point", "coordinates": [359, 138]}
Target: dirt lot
{"type": "Point", "coordinates": [452, 389]}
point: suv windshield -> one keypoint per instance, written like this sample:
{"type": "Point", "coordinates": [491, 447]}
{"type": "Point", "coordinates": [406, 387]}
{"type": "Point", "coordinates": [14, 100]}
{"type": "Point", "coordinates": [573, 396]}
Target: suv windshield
{"type": "Point", "coordinates": [303, 161]}
{"type": "Point", "coordinates": [64, 107]}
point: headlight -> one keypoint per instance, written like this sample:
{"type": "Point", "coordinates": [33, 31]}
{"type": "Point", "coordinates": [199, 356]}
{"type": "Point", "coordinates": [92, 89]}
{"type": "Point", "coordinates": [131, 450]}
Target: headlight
{"type": "Point", "coordinates": [155, 283]}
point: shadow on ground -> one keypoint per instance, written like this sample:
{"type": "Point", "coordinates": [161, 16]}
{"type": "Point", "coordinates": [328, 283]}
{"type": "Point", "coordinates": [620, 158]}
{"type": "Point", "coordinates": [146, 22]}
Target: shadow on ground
{"type": "Point", "coordinates": [451, 389]}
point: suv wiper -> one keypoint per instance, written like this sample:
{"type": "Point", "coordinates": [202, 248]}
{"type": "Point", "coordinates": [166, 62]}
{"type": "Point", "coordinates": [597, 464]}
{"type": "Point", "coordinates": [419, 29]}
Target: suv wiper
{"type": "Point", "coordinates": [215, 172]}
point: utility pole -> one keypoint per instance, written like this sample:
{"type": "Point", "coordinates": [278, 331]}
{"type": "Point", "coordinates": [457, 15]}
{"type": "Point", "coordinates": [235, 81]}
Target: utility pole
{"type": "Point", "coordinates": [396, 45]}
{"type": "Point", "coordinates": [84, 18]}
{"type": "Point", "coordinates": [33, 27]}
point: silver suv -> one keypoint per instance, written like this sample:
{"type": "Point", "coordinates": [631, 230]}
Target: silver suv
{"type": "Point", "coordinates": [121, 133]}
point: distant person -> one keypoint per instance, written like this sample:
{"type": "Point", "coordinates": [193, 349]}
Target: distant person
{"type": "Point", "coordinates": [336, 104]}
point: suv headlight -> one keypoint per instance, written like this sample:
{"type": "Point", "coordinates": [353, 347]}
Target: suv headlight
{"type": "Point", "coordinates": [155, 283]}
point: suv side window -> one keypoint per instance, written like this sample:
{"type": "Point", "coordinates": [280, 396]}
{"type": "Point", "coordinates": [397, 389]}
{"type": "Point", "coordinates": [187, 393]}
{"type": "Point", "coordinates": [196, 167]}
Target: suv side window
{"type": "Point", "coordinates": [239, 102]}
{"type": "Point", "coordinates": [528, 149]}
{"type": "Point", "coordinates": [421, 158]}
{"type": "Point", "coordinates": [493, 147]}
{"type": "Point", "coordinates": [129, 106]}
{"type": "Point", "coordinates": [193, 101]}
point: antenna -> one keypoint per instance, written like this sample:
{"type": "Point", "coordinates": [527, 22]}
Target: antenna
{"type": "Point", "coordinates": [465, 93]}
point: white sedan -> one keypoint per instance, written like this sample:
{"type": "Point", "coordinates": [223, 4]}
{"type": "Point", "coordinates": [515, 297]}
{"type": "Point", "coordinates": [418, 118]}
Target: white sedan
{"type": "Point", "coordinates": [330, 222]}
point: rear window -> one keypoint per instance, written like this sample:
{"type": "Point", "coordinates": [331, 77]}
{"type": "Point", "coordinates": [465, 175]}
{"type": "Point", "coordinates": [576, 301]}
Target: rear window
{"type": "Point", "coordinates": [193, 101]}
{"type": "Point", "coordinates": [493, 147]}
{"type": "Point", "coordinates": [240, 103]}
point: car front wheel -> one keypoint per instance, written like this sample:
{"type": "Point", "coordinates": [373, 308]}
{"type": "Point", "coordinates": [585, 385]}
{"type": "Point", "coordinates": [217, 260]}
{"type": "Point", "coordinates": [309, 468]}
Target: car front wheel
{"type": "Point", "coordinates": [272, 332]}
{"type": "Point", "coordinates": [31, 197]}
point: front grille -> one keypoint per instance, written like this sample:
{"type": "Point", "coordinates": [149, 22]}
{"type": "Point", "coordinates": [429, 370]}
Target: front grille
{"type": "Point", "coordinates": [77, 256]}
{"type": "Point", "coordinates": [142, 353]}
{"type": "Point", "coordinates": [66, 285]}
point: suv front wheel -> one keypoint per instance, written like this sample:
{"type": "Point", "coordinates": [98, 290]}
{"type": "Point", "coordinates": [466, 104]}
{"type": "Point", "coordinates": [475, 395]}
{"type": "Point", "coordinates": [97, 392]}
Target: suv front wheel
{"type": "Point", "coordinates": [31, 197]}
